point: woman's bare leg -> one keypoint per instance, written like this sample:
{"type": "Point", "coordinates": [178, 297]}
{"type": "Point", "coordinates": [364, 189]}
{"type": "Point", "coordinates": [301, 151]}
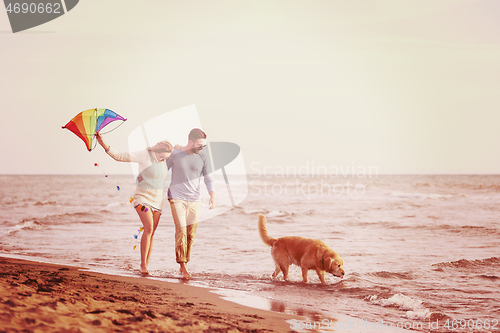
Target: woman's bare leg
{"type": "Point", "coordinates": [156, 221]}
{"type": "Point", "coordinates": [148, 223]}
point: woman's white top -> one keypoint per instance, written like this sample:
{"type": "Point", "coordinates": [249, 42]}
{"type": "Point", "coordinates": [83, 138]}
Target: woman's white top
{"type": "Point", "coordinates": [151, 179]}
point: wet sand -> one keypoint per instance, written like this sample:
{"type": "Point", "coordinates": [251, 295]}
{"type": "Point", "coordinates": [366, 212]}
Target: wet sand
{"type": "Point", "coordinates": [40, 297]}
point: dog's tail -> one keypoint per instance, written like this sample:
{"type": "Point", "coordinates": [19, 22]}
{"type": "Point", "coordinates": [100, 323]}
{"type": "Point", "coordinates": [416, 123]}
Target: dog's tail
{"type": "Point", "coordinates": [263, 231]}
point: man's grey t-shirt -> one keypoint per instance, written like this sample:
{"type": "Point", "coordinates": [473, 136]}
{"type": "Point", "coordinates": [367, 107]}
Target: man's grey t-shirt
{"type": "Point", "coordinates": [187, 170]}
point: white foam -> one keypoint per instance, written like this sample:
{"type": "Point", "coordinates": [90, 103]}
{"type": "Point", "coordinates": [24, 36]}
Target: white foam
{"type": "Point", "coordinates": [413, 307]}
{"type": "Point", "coordinates": [252, 211]}
{"type": "Point", "coordinates": [276, 213]}
{"type": "Point", "coordinates": [28, 224]}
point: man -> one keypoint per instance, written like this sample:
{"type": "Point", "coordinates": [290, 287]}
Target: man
{"type": "Point", "coordinates": [188, 165]}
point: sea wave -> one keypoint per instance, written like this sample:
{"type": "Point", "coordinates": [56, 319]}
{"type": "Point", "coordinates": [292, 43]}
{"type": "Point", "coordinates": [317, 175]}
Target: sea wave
{"type": "Point", "coordinates": [468, 230]}
{"type": "Point", "coordinates": [277, 213]}
{"type": "Point", "coordinates": [112, 206]}
{"type": "Point", "coordinates": [25, 224]}
{"type": "Point", "coordinates": [254, 211]}
{"type": "Point", "coordinates": [488, 277]}
{"type": "Point", "coordinates": [494, 187]}
{"type": "Point", "coordinates": [434, 196]}
{"type": "Point", "coordinates": [58, 219]}
{"type": "Point", "coordinates": [469, 264]}
{"type": "Point", "coordinates": [44, 203]}
{"type": "Point", "coordinates": [267, 213]}
{"type": "Point", "coordinates": [392, 275]}
{"type": "Point", "coordinates": [77, 217]}
{"type": "Point", "coordinates": [413, 308]}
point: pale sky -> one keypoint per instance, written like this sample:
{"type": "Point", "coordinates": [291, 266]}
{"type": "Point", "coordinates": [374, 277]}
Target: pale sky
{"type": "Point", "coordinates": [406, 86]}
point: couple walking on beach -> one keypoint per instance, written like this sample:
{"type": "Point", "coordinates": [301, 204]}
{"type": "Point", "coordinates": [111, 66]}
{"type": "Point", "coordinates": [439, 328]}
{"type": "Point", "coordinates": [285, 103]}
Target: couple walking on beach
{"type": "Point", "coordinates": [188, 164]}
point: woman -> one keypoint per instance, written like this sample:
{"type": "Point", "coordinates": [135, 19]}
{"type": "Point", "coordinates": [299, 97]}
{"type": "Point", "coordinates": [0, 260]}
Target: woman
{"type": "Point", "coordinates": [149, 190]}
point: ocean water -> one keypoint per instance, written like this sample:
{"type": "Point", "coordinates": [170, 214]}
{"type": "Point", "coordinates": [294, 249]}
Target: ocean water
{"type": "Point", "coordinates": [420, 251]}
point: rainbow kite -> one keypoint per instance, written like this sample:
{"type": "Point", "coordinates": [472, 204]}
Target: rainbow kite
{"type": "Point", "coordinates": [87, 123]}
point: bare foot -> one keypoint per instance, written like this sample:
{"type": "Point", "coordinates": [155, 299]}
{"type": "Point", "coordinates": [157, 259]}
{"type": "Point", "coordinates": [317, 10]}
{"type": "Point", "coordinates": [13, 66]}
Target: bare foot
{"type": "Point", "coordinates": [184, 272]}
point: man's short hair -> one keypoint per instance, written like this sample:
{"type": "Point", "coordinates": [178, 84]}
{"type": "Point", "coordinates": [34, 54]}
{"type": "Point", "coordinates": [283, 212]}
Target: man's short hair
{"type": "Point", "coordinates": [196, 134]}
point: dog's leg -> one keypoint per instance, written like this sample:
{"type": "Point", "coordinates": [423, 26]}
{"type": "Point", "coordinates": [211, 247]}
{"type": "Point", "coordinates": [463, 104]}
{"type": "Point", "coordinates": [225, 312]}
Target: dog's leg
{"type": "Point", "coordinates": [284, 269]}
{"type": "Point", "coordinates": [281, 260]}
{"type": "Point", "coordinates": [276, 271]}
{"type": "Point", "coordinates": [304, 274]}
{"type": "Point", "coordinates": [321, 275]}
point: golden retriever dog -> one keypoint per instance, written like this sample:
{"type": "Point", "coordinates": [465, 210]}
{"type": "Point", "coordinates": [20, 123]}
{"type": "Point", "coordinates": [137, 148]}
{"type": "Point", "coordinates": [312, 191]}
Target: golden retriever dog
{"type": "Point", "coordinates": [303, 252]}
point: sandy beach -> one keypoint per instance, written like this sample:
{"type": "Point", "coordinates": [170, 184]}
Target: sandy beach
{"type": "Point", "coordinates": [40, 297]}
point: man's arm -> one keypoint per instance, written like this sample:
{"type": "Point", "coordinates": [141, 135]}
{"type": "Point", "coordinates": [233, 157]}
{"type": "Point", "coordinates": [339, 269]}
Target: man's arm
{"type": "Point", "coordinates": [211, 202]}
{"type": "Point", "coordinates": [209, 183]}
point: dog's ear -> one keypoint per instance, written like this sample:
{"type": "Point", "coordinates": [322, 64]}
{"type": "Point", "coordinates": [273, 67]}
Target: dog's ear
{"type": "Point", "coordinates": [328, 262]}
{"type": "Point", "coordinates": [321, 259]}
{"type": "Point", "coordinates": [333, 263]}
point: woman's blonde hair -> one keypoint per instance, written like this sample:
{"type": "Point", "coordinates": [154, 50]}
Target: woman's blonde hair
{"type": "Point", "coordinates": [162, 147]}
